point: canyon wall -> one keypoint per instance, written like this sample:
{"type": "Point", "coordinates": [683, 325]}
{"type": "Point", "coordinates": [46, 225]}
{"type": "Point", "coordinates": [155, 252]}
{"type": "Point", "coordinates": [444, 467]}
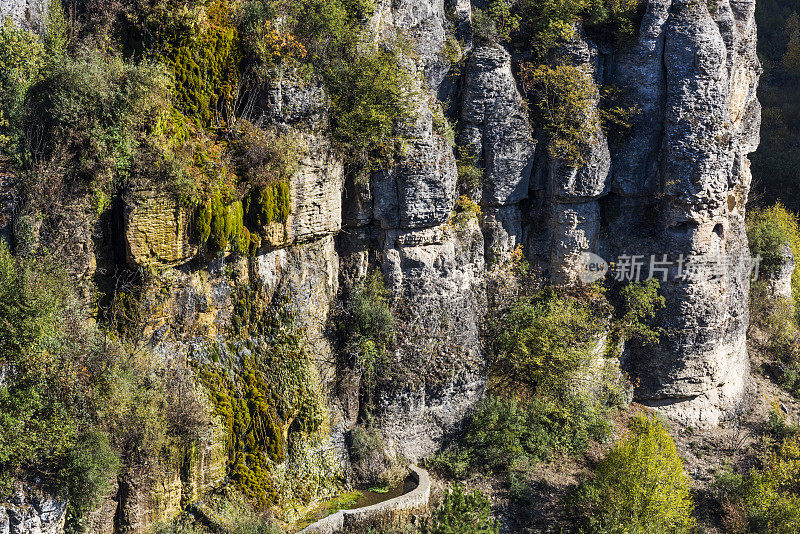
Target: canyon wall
{"type": "Point", "coordinates": [675, 184]}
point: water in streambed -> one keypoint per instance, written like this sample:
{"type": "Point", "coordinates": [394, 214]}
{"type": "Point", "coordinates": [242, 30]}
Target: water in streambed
{"type": "Point", "coordinates": [358, 499]}
{"type": "Point", "coordinates": [371, 496]}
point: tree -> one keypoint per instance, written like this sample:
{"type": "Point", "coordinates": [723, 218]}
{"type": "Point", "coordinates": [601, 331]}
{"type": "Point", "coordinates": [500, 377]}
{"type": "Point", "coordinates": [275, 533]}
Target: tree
{"type": "Point", "coordinates": [639, 487]}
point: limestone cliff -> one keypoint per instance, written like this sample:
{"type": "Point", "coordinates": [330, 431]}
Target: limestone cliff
{"type": "Point", "coordinates": [675, 183]}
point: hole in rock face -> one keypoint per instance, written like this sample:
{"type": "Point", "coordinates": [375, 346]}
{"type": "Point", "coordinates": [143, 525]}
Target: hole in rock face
{"type": "Point", "coordinates": [719, 230]}
{"type": "Point", "coordinates": [731, 202]}
{"type": "Point", "coordinates": [683, 229]}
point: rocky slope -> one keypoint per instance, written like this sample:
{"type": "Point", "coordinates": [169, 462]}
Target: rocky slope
{"type": "Point", "coordinates": [676, 183]}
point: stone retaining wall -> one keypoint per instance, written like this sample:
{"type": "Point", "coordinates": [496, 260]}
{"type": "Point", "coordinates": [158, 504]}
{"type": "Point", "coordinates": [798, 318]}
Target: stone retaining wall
{"type": "Point", "coordinates": [413, 500]}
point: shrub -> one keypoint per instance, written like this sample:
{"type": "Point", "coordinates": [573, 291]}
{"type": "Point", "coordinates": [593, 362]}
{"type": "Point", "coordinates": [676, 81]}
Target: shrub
{"type": "Point", "coordinates": [502, 433]}
{"type": "Point", "coordinates": [95, 112]}
{"type": "Point", "coordinates": [364, 441]}
{"type": "Point", "coordinates": [565, 98]}
{"type": "Point", "coordinates": [265, 158]}
{"type": "Point", "coordinates": [769, 231]}
{"type": "Point", "coordinates": [367, 328]}
{"type": "Point", "coordinates": [463, 513]}
{"type": "Point", "coordinates": [73, 403]}
{"type": "Point", "coordinates": [87, 471]}
{"type": "Point", "coordinates": [266, 46]}
{"type": "Point", "coordinates": [370, 96]}
{"type": "Point", "coordinates": [773, 325]}
{"type": "Point", "coordinates": [616, 21]}
{"type": "Point", "coordinates": [465, 211]}
{"type": "Point", "coordinates": [638, 304]}
{"type": "Point", "coordinates": [639, 487]}
{"type": "Point", "coordinates": [21, 58]}
{"type": "Point", "coordinates": [548, 23]}
{"type": "Point", "coordinates": [765, 499]}
{"type": "Point", "coordinates": [542, 343]}
{"type": "Point", "coordinates": [470, 173]}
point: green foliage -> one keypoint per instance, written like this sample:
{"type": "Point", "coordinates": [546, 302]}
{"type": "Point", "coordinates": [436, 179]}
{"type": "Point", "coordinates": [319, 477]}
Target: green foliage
{"type": "Point", "coordinates": [267, 47]}
{"type": "Point", "coordinates": [73, 403]}
{"type": "Point", "coordinates": [548, 23]}
{"type": "Point", "coordinates": [769, 232]}
{"type": "Point", "coordinates": [21, 58]}
{"type": "Point", "coordinates": [370, 91]}
{"type": "Point", "coordinates": [505, 434]}
{"type": "Point", "coordinates": [370, 95]}
{"type": "Point", "coordinates": [495, 24]}
{"type": "Point", "coordinates": [86, 471]}
{"type": "Point", "coordinates": [773, 324]}
{"type": "Point", "coordinates": [55, 37]}
{"type": "Point", "coordinates": [266, 157]}
{"type": "Point", "coordinates": [367, 328]}
{"type": "Point", "coordinates": [92, 114]}
{"type": "Point", "coordinates": [275, 396]}
{"type": "Point", "coordinates": [364, 441]}
{"type": "Point", "coordinates": [464, 211]}
{"type": "Point", "coordinates": [765, 499]}
{"type": "Point", "coordinates": [615, 20]}
{"type": "Point", "coordinates": [565, 99]}
{"type": "Point", "coordinates": [461, 512]}
{"type": "Point", "coordinates": [542, 342]}
{"type": "Point", "coordinates": [470, 173]}
{"type": "Point", "coordinates": [639, 487]}
{"type": "Point", "coordinates": [639, 302]}
{"type": "Point", "coordinates": [203, 52]}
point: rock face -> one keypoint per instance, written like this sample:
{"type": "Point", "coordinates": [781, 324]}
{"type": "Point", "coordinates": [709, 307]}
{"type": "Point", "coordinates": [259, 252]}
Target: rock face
{"type": "Point", "coordinates": [674, 184]}
{"type": "Point", "coordinates": [709, 123]}
{"type": "Point", "coordinates": [31, 511]}
{"type": "Point", "coordinates": [157, 230]}
{"type": "Point", "coordinates": [27, 13]}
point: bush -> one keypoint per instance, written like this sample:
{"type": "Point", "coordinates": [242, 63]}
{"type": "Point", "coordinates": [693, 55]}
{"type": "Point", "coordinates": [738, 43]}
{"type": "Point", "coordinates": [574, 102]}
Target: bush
{"type": "Point", "coordinates": [769, 232]}
{"type": "Point", "coordinates": [470, 173]}
{"type": "Point", "coordinates": [370, 96]}
{"type": "Point", "coordinates": [73, 403]}
{"type": "Point", "coordinates": [547, 23]}
{"type": "Point", "coordinates": [638, 304]}
{"type": "Point", "coordinates": [364, 441]}
{"type": "Point", "coordinates": [542, 343]}
{"type": "Point", "coordinates": [464, 211]}
{"type": "Point", "coordinates": [367, 328]}
{"type": "Point", "coordinates": [639, 487]}
{"type": "Point", "coordinates": [265, 158]}
{"type": "Point", "coordinates": [21, 58]}
{"type": "Point", "coordinates": [502, 433]}
{"type": "Point", "coordinates": [766, 499]}
{"type": "Point", "coordinates": [87, 471]}
{"type": "Point", "coordinates": [463, 513]}
{"type": "Point", "coordinates": [94, 112]}
{"type": "Point", "coordinates": [565, 98]}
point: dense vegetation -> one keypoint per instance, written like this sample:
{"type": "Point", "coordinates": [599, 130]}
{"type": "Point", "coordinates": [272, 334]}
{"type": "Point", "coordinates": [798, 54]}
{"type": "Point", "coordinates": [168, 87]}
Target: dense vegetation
{"type": "Point", "coordinates": [76, 405]}
{"type": "Point", "coordinates": [639, 486]}
{"type": "Point", "coordinates": [776, 163]}
{"type": "Point", "coordinates": [765, 498]}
